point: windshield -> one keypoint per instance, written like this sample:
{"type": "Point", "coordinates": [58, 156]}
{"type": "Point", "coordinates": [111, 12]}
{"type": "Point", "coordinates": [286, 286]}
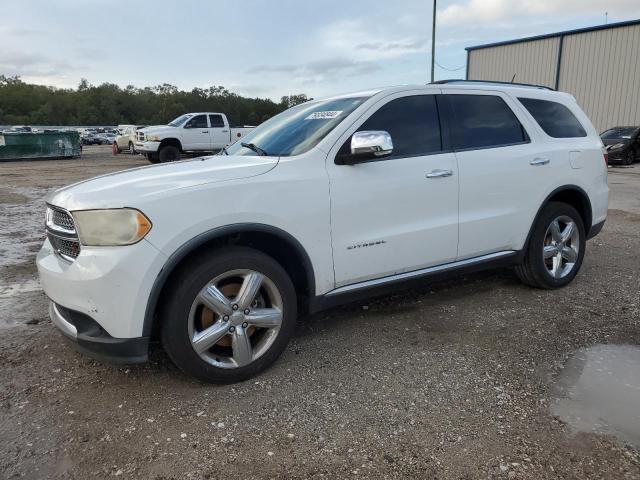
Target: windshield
{"type": "Point", "coordinates": [298, 129]}
{"type": "Point", "coordinates": [618, 132]}
{"type": "Point", "coordinates": [180, 120]}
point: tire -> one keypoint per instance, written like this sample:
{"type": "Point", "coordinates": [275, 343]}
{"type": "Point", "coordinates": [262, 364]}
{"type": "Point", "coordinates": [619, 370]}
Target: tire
{"type": "Point", "coordinates": [169, 153]}
{"type": "Point", "coordinates": [184, 315]}
{"type": "Point", "coordinates": [152, 157]}
{"type": "Point", "coordinates": [539, 272]}
{"type": "Point", "coordinates": [629, 158]}
{"type": "Point", "coordinates": [132, 149]}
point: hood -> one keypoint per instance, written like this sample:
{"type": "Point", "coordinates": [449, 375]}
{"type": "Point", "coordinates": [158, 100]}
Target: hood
{"type": "Point", "coordinates": [156, 128]}
{"type": "Point", "coordinates": [615, 141]}
{"type": "Point", "coordinates": [127, 188]}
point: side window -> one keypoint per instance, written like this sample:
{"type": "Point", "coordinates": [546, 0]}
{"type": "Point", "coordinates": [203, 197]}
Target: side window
{"type": "Point", "coordinates": [554, 118]}
{"type": "Point", "coordinates": [412, 123]}
{"type": "Point", "coordinates": [484, 121]}
{"type": "Point", "coordinates": [199, 121]}
{"type": "Point", "coordinates": [216, 121]}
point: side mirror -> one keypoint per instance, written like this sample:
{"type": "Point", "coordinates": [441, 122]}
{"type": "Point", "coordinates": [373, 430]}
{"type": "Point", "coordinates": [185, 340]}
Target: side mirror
{"type": "Point", "coordinates": [367, 145]}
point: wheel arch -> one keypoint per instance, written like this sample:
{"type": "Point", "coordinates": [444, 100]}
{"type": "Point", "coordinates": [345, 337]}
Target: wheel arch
{"type": "Point", "coordinates": [174, 142]}
{"type": "Point", "coordinates": [572, 195]}
{"type": "Point", "coordinates": [273, 241]}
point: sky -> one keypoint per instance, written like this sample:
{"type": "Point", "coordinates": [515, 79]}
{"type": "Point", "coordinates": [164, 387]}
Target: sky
{"type": "Point", "coordinates": [270, 48]}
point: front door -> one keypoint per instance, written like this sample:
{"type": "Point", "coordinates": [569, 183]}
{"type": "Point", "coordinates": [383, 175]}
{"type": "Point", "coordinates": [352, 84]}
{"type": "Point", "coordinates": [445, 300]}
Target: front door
{"type": "Point", "coordinates": [398, 213]}
{"type": "Point", "coordinates": [195, 134]}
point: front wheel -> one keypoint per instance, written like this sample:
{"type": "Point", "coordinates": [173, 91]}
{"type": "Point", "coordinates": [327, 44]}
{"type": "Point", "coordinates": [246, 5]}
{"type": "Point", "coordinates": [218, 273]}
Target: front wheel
{"type": "Point", "coordinates": [132, 148]}
{"type": "Point", "coordinates": [556, 248]}
{"type": "Point", "coordinates": [230, 315]}
{"type": "Point", "coordinates": [169, 153]}
{"type": "Point", "coordinates": [629, 158]}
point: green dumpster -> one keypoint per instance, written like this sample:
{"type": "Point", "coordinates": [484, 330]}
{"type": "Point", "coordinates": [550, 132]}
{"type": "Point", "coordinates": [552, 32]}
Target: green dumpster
{"type": "Point", "coordinates": [26, 145]}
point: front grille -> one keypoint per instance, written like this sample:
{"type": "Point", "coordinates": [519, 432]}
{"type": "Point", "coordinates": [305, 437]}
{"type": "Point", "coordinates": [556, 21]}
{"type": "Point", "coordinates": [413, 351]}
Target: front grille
{"type": "Point", "coordinates": [68, 249]}
{"type": "Point", "coordinates": [61, 232]}
{"type": "Point", "coordinates": [140, 136]}
{"type": "Point", "coordinates": [62, 219]}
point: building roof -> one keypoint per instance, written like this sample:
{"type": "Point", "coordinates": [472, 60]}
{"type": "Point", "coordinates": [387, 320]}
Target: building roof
{"type": "Point", "coordinates": [557, 34]}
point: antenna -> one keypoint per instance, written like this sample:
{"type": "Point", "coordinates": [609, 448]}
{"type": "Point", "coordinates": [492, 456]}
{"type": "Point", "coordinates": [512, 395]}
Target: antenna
{"type": "Point", "coordinates": [514, 77]}
{"type": "Point", "coordinates": [606, 18]}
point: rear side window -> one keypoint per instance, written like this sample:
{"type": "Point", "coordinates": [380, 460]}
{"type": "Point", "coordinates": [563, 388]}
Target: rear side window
{"type": "Point", "coordinates": [412, 123]}
{"type": "Point", "coordinates": [554, 118]}
{"type": "Point", "coordinates": [484, 121]}
{"type": "Point", "coordinates": [216, 121]}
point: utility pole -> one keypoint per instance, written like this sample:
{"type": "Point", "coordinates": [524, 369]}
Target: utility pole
{"type": "Point", "coordinates": [433, 42]}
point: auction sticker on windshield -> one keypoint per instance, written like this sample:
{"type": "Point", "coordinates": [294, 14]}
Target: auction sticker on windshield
{"type": "Point", "coordinates": [324, 115]}
{"type": "Point", "coordinates": [1, 140]}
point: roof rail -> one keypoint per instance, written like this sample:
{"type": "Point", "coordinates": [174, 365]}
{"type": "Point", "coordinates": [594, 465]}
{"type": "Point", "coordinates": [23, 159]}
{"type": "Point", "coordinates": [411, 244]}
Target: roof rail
{"type": "Point", "coordinates": [491, 82]}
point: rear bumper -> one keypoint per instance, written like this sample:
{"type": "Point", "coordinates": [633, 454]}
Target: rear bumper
{"type": "Point", "coordinates": [92, 340]}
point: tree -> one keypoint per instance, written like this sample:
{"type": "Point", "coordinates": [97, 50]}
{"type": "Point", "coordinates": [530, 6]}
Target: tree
{"type": "Point", "coordinates": [108, 104]}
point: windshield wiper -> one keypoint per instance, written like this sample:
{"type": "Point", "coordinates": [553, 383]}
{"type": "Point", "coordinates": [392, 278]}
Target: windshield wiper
{"type": "Point", "coordinates": [223, 151]}
{"type": "Point", "coordinates": [255, 148]}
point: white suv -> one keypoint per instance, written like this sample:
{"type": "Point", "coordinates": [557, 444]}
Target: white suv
{"type": "Point", "coordinates": [330, 200]}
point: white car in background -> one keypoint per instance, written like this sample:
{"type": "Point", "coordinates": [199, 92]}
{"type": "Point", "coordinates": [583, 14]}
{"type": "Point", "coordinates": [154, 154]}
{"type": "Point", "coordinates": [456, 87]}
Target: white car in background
{"type": "Point", "coordinates": [327, 202]}
{"type": "Point", "coordinates": [191, 132]}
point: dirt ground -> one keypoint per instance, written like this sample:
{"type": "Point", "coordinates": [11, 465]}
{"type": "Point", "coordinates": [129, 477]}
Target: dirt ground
{"type": "Point", "coordinates": [452, 381]}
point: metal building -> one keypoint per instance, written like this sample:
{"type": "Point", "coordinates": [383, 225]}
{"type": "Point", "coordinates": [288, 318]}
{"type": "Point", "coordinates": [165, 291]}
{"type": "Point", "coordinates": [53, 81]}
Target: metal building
{"type": "Point", "coordinates": [599, 66]}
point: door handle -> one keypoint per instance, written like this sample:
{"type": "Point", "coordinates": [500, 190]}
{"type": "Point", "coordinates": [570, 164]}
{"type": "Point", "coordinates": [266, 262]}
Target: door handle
{"type": "Point", "coordinates": [539, 161]}
{"type": "Point", "coordinates": [225, 131]}
{"type": "Point", "coordinates": [439, 173]}
{"type": "Point", "coordinates": [205, 131]}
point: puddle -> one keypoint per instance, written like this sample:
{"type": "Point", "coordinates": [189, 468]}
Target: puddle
{"type": "Point", "coordinates": [599, 391]}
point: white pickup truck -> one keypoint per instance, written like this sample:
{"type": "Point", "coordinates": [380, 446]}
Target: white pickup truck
{"type": "Point", "coordinates": [191, 132]}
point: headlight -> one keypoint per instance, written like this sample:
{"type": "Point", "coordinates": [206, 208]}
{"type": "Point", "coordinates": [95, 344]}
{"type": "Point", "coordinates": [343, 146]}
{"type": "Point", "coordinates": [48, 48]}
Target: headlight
{"type": "Point", "coordinates": [118, 226]}
{"type": "Point", "coordinates": [153, 138]}
{"type": "Point", "coordinates": [617, 146]}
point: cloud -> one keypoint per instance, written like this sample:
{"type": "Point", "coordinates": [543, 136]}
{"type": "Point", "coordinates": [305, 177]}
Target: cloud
{"type": "Point", "coordinates": [403, 46]}
{"type": "Point", "coordinates": [32, 65]}
{"type": "Point", "coordinates": [319, 69]}
{"type": "Point", "coordinates": [475, 12]}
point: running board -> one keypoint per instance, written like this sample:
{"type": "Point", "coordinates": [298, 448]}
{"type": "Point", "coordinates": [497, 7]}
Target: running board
{"type": "Point", "coordinates": [419, 273]}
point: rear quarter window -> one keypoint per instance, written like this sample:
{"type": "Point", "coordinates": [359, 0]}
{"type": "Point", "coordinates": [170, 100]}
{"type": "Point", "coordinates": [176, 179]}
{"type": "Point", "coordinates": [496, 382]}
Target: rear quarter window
{"type": "Point", "coordinates": [555, 119]}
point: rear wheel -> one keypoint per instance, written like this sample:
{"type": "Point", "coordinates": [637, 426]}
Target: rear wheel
{"type": "Point", "coordinates": [230, 315]}
{"type": "Point", "coordinates": [556, 248]}
{"type": "Point", "coordinates": [169, 153]}
{"type": "Point", "coordinates": [152, 157]}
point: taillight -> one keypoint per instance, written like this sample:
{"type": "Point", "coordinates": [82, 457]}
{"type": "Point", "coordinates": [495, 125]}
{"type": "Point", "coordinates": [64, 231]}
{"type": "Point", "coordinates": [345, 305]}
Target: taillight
{"type": "Point", "coordinates": [605, 155]}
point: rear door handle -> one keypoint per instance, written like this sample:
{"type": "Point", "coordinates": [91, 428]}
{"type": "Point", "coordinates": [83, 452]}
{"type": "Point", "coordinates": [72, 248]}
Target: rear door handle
{"type": "Point", "coordinates": [439, 173]}
{"type": "Point", "coordinates": [539, 161]}
{"type": "Point", "coordinates": [205, 131]}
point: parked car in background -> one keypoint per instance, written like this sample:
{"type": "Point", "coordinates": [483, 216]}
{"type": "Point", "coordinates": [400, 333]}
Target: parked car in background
{"type": "Point", "coordinates": [622, 144]}
{"type": "Point", "coordinates": [326, 202]}
{"type": "Point", "coordinates": [126, 139]}
{"type": "Point", "coordinates": [89, 138]}
{"type": "Point", "coordinates": [106, 138]}
{"type": "Point", "coordinates": [191, 132]}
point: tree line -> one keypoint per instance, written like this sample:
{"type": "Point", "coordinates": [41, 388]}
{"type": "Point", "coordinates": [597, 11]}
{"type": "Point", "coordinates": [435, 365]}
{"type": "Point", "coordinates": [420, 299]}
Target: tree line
{"type": "Point", "coordinates": [108, 104]}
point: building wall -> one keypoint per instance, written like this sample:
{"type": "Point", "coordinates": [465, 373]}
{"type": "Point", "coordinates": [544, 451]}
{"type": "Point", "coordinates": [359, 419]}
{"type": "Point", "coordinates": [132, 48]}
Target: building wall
{"type": "Point", "coordinates": [600, 68]}
{"type": "Point", "coordinates": [530, 62]}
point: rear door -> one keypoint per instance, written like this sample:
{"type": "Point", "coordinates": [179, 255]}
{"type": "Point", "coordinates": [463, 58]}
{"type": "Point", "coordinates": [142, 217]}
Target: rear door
{"type": "Point", "coordinates": [504, 166]}
{"type": "Point", "coordinates": [399, 213]}
{"type": "Point", "coordinates": [195, 134]}
{"type": "Point", "coordinates": [219, 131]}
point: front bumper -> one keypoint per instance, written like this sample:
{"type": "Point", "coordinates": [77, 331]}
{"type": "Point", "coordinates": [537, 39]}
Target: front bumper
{"type": "Point", "coordinates": [91, 339]}
{"type": "Point", "coordinates": [147, 147]}
{"type": "Point", "coordinates": [110, 285]}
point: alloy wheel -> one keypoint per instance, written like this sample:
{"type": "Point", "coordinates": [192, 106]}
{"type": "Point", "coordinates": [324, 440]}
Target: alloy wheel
{"type": "Point", "coordinates": [235, 318]}
{"type": "Point", "coordinates": [561, 246]}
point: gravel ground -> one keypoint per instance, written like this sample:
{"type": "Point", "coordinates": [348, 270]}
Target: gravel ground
{"type": "Point", "coordinates": [450, 380]}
